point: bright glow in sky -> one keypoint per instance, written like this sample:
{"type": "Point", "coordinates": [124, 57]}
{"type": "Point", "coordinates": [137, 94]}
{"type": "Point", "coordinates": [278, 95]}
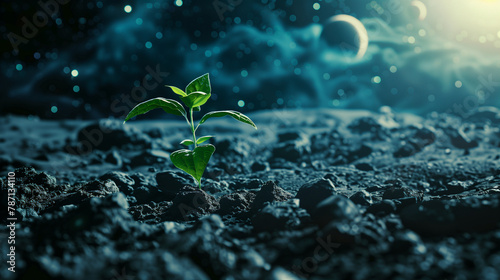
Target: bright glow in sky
{"type": "Point", "coordinates": [474, 22]}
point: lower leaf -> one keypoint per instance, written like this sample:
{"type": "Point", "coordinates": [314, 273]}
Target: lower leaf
{"type": "Point", "coordinates": [193, 162]}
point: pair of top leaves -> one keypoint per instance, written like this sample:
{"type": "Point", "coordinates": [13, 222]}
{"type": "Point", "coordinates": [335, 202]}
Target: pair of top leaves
{"type": "Point", "coordinates": [196, 94]}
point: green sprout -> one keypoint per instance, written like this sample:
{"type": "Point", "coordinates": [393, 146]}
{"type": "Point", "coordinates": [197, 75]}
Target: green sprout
{"type": "Point", "coordinates": [197, 93]}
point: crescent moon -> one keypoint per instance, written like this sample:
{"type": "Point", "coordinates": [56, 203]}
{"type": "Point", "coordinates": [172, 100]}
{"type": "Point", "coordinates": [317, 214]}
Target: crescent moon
{"type": "Point", "coordinates": [421, 7]}
{"type": "Point", "coordinates": [360, 29]}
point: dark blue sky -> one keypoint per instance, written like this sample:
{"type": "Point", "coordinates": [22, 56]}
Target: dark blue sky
{"type": "Point", "coordinates": [97, 59]}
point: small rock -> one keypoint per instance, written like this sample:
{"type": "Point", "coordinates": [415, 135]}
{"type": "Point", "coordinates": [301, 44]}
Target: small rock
{"type": "Point", "coordinates": [406, 150]}
{"type": "Point", "coordinates": [365, 124]}
{"type": "Point", "coordinates": [364, 166]}
{"type": "Point", "coordinates": [358, 153]}
{"type": "Point", "coordinates": [101, 188]}
{"type": "Point", "coordinates": [288, 151]}
{"type": "Point", "coordinates": [382, 208]}
{"type": "Point", "coordinates": [425, 136]}
{"type": "Point", "coordinates": [408, 242]}
{"type": "Point", "coordinates": [312, 193]}
{"type": "Point", "coordinates": [279, 216]}
{"type": "Point", "coordinates": [334, 208]}
{"type": "Point", "coordinates": [122, 180]}
{"type": "Point", "coordinates": [362, 197]}
{"type": "Point", "coordinates": [460, 139]}
{"type": "Point", "coordinates": [268, 193]}
{"type": "Point", "coordinates": [259, 166]}
{"type": "Point", "coordinates": [456, 187]}
{"type": "Point", "coordinates": [288, 136]}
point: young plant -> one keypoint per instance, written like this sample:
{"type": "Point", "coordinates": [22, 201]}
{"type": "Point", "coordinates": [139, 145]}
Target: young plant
{"type": "Point", "coordinates": [196, 94]}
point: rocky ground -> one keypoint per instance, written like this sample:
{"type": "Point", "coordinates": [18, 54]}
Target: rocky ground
{"type": "Point", "coordinates": [312, 194]}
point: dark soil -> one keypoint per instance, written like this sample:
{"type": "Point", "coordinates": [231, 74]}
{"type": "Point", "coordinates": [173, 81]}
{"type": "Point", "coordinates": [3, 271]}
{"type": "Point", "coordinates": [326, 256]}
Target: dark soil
{"type": "Point", "coordinates": [317, 194]}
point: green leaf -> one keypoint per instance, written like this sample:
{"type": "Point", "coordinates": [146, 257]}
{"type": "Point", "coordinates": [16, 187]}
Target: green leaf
{"type": "Point", "coordinates": [193, 162]}
{"type": "Point", "coordinates": [195, 99]}
{"type": "Point", "coordinates": [177, 90]}
{"type": "Point", "coordinates": [201, 83]}
{"type": "Point", "coordinates": [197, 109]}
{"type": "Point", "coordinates": [202, 139]}
{"type": "Point", "coordinates": [168, 105]}
{"type": "Point", "coordinates": [187, 142]}
{"type": "Point", "coordinates": [234, 114]}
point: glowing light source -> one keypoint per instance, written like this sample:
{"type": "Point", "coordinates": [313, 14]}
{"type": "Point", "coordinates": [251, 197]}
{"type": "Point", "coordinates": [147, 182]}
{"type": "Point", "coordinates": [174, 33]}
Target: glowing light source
{"type": "Point", "coordinates": [376, 80]}
{"type": "Point", "coordinates": [472, 21]}
{"type": "Point", "coordinates": [421, 8]}
{"type": "Point", "coordinates": [127, 9]}
{"type": "Point", "coordinates": [241, 103]}
{"type": "Point", "coordinates": [74, 73]}
{"type": "Point", "coordinates": [53, 109]}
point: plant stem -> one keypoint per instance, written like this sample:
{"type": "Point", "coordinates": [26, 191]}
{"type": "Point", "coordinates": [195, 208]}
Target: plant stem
{"type": "Point", "coordinates": [192, 127]}
{"type": "Point", "coordinates": [193, 130]}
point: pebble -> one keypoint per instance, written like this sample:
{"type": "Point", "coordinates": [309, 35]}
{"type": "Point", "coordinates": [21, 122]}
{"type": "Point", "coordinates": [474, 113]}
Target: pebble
{"type": "Point", "coordinates": [312, 193]}
{"type": "Point", "coordinates": [334, 208]}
